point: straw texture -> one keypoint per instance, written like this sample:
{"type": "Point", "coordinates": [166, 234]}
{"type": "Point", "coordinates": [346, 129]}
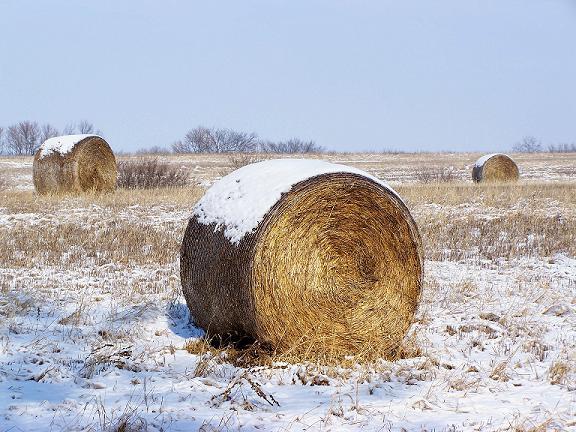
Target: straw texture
{"type": "Point", "coordinates": [495, 168]}
{"type": "Point", "coordinates": [90, 166]}
{"type": "Point", "coordinates": [334, 269]}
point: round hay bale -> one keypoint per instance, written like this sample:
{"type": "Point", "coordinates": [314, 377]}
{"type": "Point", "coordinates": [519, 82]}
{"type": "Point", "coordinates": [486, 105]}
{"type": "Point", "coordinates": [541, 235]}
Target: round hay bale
{"type": "Point", "coordinates": [495, 168]}
{"type": "Point", "coordinates": [309, 258]}
{"type": "Point", "coordinates": [73, 164]}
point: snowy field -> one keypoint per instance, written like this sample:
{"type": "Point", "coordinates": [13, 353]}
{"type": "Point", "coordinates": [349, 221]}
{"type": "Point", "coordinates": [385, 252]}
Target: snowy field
{"type": "Point", "coordinates": [95, 334]}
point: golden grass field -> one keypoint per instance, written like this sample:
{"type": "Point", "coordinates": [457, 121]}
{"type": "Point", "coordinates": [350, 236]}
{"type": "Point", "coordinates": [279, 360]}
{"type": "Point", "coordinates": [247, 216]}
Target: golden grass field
{"type": "Point", "coordinates": [90, 300]}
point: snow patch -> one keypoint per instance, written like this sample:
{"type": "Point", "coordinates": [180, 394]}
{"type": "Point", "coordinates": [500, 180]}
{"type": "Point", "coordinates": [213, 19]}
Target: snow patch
{"type": "Point", "coordinates": [61, 144]}
{"type": "Point", "coordinates": [481, 161]}
{"type": "Point", "coordinates": [240, 200]}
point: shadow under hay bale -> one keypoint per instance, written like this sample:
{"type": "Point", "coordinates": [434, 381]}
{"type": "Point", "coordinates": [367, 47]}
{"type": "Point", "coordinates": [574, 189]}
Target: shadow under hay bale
{"type": "Point", "coordinates": [74, 164]}
{"type": "Point", "coordinates": [313, 259]}
{"type": "Point", "coordinates": [495, 168]}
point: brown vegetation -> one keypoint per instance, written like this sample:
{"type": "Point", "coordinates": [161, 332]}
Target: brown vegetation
{"type": "Point", "coordinates": [145, 173]}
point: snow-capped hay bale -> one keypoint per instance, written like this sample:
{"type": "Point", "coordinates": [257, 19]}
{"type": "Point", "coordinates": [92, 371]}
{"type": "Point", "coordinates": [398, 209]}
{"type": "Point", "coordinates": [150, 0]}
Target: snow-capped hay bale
{"type": "Point", "coordinates": [307, 257]}
{"type": "Point", "coordinates": [495, 168]}
{"type": "Point", "coordinates": [74, 163]}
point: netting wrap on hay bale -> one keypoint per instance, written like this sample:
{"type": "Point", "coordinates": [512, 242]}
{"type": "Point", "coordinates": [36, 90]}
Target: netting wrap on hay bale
{"type": "Point", "coordinates": [308, 257]}
{"type": "Point", "coordinates": [495, 168]}
{"type": "Point", "coordinates": [74, 163]}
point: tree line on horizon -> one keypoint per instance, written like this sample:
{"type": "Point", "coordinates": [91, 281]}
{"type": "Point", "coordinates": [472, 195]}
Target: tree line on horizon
{"type": "Point", "coordinates": [222, 140]}
{"type": "Point", "coordinates": [530, 144]}
{"type": "Point", "coordinates": [25, 137]}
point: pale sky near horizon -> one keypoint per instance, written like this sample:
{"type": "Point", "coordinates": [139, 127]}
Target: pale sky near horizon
{"type": "Point", "coordinates": [352, 75]}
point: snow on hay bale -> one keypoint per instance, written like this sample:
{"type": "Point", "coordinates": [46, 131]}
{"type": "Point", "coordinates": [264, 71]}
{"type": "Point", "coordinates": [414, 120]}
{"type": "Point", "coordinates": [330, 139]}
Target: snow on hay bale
{"type": "Point", "coordinates": [74, 163]}
{"type": "Point", "coordinates": [495, 167]}
{"type": "Point", "coordinates": [307, 257]}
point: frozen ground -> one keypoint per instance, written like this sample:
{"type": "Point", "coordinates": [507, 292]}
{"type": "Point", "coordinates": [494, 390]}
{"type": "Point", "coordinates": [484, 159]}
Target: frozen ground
{"type": "Point", "coordinates": [94, 334]}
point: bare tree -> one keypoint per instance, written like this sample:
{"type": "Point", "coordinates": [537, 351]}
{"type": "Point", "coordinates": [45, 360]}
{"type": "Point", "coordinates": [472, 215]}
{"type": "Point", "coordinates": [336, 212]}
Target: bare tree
{"type": "Point", "coordinates": [48, 131]}
{"type": "Point", "coordinates": [562, 148]}
{"type": "Point", "coordinates": [1, 140]}
{"type": "Point", "coordinates": [212, 140]}
{"type": "Point", "coordinates": [293, 145]}
{"type": "Point", "coordinates": [23, 138]}
{"type": "Point", "coordinates": [528, 144]}
{"type": "Point", "coordinates": [82, 127]}
{"type": "Point", "coordinates": [85, 127]}
{"type": "Point", "coordinates": [69, 129]}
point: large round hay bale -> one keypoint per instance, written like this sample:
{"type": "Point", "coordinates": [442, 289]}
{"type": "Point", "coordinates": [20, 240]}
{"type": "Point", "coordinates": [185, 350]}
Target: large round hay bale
{"type": "Point", "coordinates": [307, 257]}
{"type": "Point", "coordinates": [495, 167]}
{"type": "Point", "coordinates": [74, 163]}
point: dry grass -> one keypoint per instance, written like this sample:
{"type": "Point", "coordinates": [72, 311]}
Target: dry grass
{"type": "Point", "coordinates": [540, 217]}
{"type": "Point", "coordinates": [28, 202]}
{"type": "Point", "coordinates": [4, 183]}
{"type": "Point", "coordinates": [238, 160]}
{"type": "Point", "coordinates": [510, 236]}
{"type": "Point", "coordinates": [71, 243]}
{"type": "Point", "coordinates": [559, 372]}
{"type": "Point", "coordinates": [459, 221]}
{"type": "Point", "coordinates": [537, 195]}
{"type": "Point", "coordinates": [64, 258]}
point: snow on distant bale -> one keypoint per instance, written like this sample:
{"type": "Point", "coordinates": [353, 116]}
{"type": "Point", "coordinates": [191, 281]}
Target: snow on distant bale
{"type": "Point", "coordinates": [495, 167]}
{"type": "Point", "coordinates": [73, 164]}
{"type": "Point", "coordinates": [309, 258]}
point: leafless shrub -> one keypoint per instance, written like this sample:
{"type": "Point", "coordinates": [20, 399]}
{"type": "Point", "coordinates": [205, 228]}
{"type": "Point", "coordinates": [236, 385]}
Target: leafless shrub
{"type": "Point", "coordinates": [436, 175]}
{"type": "Point", "coordinates": [143, 173]}
{"type": "Point", "coordinates": [213, 140]}
{"type": "Point", "coordinates": [528, 144]}
{"type": "Point", "coordinates": [293, 145]}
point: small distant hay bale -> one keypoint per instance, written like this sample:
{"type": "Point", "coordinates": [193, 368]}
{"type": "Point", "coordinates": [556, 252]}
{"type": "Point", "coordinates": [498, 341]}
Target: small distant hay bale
{"type": "Point", "coordinates": [495, 168]}
{"type": "Point", "coordinates": [312, 259]}
{"type": "Point", "coordinates": [74, 164]}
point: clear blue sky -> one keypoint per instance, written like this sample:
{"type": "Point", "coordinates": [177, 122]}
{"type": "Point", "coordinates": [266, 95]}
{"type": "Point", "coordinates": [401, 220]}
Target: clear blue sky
{"type": "Point", "coordinates": [350, 74]}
